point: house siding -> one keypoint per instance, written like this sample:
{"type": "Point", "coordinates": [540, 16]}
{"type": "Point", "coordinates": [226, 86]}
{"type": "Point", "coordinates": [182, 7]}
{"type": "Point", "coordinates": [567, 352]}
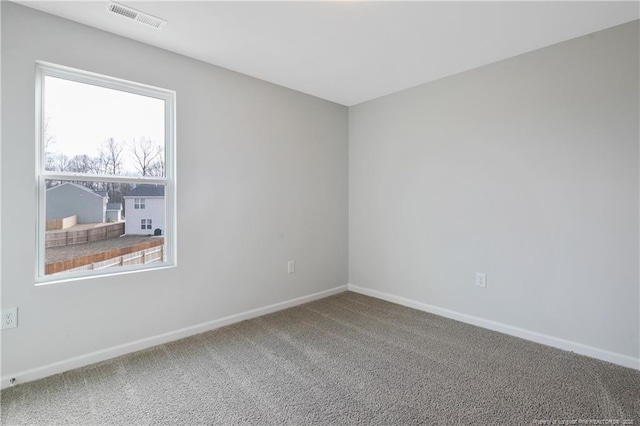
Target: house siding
{"type": "Point", "coordinates": [113, 215]}
{"type": "Point", "coordinates": [154, 210]}
{"type": "Point", "coordinates": [68, 200]}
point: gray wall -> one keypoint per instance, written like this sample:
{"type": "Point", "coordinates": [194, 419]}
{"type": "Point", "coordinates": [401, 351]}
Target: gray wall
{"type": "Point", "coordinates": [68, 200]}
{"type": "Point", "coordinates": [527, 170]}
{"type": "Point", "coordinates": [261, 179]}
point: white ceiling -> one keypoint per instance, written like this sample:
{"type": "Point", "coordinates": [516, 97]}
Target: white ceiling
{"type": "Point", "coordinates": [350, 52]}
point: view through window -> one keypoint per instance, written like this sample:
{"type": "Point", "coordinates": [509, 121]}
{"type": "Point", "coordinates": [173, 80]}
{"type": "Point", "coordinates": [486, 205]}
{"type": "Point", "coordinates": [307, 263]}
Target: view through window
{"type": "Point", "coordinates": [106, 174]}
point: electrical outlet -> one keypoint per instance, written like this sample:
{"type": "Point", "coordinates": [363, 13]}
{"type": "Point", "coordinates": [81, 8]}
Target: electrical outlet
{"type": "Point", "coordinates": [291, 267]}
{"type": "Point", "coordinates": [9, 318]}
{"type": "Point", "coordinates": [481, 279]}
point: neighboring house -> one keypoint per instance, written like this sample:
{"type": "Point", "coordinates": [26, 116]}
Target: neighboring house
{"type": "Point", "coordinates": [144, 208]}
{"type": "Point", "coordinates": [114, 212]}
{"type": "Point", "coordinates": [70, 199]}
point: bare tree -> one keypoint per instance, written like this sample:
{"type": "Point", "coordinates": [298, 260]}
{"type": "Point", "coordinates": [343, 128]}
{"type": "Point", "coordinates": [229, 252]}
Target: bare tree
{"type": "Point", "coordinates": [60, 162]}
{"type": "Point", "coordinates": [157, 168]}
{"type": "Point", "coordinates": [110, 157]}
{"type": "Point", "coordinates": [147, 157]}
{"type": "Point", "coordinates": [82, 163]}
{"type": "Point", "coordinates": [48, 136]}
{"type": "Point", "coordinates": [48, 139]}
{"type": "Point", "coordinates": [56, 163]}
{"type": "Point", "coordinates": [110, 162]}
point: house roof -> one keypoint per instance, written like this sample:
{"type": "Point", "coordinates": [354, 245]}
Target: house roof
{"type": "Point", "coordinates": [102, 194]}
{"type": "Point", "coordinates": [146, 191]}
{"type": "Point", "coordinates": [114, 206]}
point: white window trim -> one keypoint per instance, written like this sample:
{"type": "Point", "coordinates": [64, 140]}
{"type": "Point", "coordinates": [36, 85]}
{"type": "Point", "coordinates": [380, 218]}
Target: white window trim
{"type": "Point", "coordinates": [44, 69]}
{"type": "Point", "coordinates": [139, 203]}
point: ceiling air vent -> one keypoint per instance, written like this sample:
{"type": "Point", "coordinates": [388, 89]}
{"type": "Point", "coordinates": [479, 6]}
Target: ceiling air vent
{"type": "Point", "coordinates": [136, 15]}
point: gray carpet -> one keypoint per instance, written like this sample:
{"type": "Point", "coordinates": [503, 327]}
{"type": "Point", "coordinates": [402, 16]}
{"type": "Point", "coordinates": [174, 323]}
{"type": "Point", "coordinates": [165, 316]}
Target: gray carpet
{"type": "Point", "coordinates": [347, 359]}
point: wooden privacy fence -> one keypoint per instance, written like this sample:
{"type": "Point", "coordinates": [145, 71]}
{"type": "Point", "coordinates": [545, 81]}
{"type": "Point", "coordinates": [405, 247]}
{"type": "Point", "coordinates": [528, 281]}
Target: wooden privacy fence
{"type": "Point", "coordinates": [64, 223]}
{"type": "Point", "coordinates": [152, 251]}
{"type": "Point", "coordinates": [101, 232]}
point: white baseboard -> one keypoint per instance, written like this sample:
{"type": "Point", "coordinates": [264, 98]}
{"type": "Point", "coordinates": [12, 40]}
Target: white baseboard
{"type": "Point", "coordinates": [567, 345]}
{"type": "Point", "coordinates": [104, 354]}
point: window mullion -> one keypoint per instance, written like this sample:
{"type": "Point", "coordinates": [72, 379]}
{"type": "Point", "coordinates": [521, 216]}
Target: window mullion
{"type": "Point", "coordinates": [82, 177]}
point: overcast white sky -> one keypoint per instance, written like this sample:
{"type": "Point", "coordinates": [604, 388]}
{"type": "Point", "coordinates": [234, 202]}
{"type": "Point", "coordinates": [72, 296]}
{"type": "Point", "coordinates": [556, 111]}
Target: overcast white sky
{"type": "Point", "coordinates": [82, 116]}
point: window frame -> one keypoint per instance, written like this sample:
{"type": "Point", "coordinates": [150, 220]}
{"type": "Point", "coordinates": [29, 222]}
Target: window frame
{"type": "Point", "coordinates": [139, 203]}
{"type": "Point", "coordinates": [47, 69]}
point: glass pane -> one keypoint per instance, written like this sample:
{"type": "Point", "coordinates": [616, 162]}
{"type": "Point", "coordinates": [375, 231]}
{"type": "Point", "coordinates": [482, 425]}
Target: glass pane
{"type": "Point", "coordinates": [91, 129]}
{"type": "Point", "coordinates": [94, 225]}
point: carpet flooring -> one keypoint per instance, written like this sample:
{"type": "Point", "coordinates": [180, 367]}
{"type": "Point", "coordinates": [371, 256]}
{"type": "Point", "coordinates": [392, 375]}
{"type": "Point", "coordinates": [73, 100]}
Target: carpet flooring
{"type": "Point", "coordinates": [344, 360]}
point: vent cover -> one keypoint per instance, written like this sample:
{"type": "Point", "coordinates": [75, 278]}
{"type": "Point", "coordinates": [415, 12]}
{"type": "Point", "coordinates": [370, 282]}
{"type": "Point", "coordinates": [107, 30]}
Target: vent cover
{"type": "Point", "coordinates": [136, 15]}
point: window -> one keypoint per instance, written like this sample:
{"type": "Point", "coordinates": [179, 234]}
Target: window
{"type": "Point", "coordinates": [105, 156]}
